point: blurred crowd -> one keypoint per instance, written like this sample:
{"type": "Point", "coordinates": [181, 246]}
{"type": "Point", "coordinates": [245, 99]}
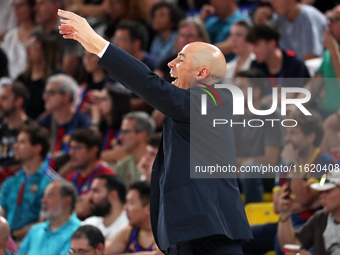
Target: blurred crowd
{"type": "Point", "coordinates": [77, 147]}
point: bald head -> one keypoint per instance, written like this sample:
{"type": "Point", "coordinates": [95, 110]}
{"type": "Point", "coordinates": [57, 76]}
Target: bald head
{"type": "Point", "coordinates": [4, 232]}
{"type": "Point", "coordinates": [209, 56]}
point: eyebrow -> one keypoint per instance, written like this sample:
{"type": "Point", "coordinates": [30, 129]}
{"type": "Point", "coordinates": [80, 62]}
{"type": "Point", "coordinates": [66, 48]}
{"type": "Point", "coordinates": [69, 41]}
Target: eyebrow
{"type": "Point", "coordinates": [181, 54]}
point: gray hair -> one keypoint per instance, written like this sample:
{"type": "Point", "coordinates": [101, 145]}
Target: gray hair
{"type": "Point", "coordinates": [143, 122]}
{"type": "Point", "coordinates": [67, 189]}
{"type": "Point", "coordinates": [67, 84]}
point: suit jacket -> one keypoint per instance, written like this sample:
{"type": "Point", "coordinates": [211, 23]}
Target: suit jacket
{"type": "Point", "coordinates": [184, 208]}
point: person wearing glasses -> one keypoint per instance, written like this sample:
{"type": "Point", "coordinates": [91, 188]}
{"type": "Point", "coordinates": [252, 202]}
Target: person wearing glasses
{"type": "Point", "coordinates": [63, 119]}
{"type": "Point", "coordinates": [134, 132]}
{"type": "Point", "coordinates": [322, 230]}
{"type": "Point", "coordinates": [85, 163]}
{"type": "Point", "coordinates": [87, 240]}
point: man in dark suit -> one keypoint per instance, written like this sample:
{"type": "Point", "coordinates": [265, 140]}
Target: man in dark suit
{"type": "Point", "coordinates": [188, 215]}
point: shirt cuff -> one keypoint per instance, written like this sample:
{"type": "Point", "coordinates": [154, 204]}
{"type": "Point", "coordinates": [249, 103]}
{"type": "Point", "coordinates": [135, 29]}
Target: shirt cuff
{"type": "Point", "coordinates": [101, 53]}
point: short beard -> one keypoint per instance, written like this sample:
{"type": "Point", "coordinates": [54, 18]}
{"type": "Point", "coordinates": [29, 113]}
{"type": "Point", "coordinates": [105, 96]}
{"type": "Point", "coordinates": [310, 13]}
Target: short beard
{"type": "Point", "coordinates": [102, 210]}
{"type": "Point", "coordinates": [51, 215]}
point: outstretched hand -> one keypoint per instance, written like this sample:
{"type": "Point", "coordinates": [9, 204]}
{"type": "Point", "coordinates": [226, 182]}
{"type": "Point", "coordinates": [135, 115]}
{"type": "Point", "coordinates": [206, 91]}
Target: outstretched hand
{"type": "Point", "coordinates": [75, 27]}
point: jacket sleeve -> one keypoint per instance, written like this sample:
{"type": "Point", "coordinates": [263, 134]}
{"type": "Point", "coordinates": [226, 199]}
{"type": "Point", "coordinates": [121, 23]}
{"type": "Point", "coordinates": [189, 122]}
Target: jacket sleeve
{"type": "Point", "coordinates": [136, 76]}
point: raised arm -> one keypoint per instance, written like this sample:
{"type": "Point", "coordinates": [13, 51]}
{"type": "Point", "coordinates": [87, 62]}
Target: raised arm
{"type": "Point", "coordinates": [169, 99]}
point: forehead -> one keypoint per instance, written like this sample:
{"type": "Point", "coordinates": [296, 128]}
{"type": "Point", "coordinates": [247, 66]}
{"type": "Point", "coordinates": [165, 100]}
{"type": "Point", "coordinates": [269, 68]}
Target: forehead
{"type": "Point", "coordinates": [52, 188]}
{"type": "Point", "coordinates": [189, 28]}
{"type": "Point", "coordinates": [6, 90]}
{"type": "Point", "coordinates": [129, 123]}
{"type": "Point", "coordinates": [123, 32]}
{"type": "Point", "coordinates": [133, 195]}
{"type": "Point", "coordinates": [98, 184]}
{"type": "Point", "coordinates": [52, 85]}
{"type": "Point", "coordinates": [23, 136]}
{"type": "Point", "coordinates": [79, 243]}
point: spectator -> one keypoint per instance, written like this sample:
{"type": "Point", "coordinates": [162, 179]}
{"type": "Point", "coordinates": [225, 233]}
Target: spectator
{"type": "Point", "coordinates": [53, 236]}
{"type": "Point", "coordinates": [42, 54]}
{"type": "Point", "coordinates": [276, 63]}
{"type": "Point", "coordinates": [87, 238]}
{"type": "Point", "coordinates": [47, 20]}
{"type": "Point", "coordinates": [240, 47]}
{"type": "Point", "coordinates": [302, 26]}
{"type": "Point", "coordinates": [135, 128]}
{"type": "Point", "coordinates": [321, 231]}
{"type": "Point", "coordinates": [7, 17]}
{"type": "Point", "coordinates": [21, 194]}
{"type": "Point", "coordinates": [165, 18]}
{"type": "Point", "coordinates": [146, 162]}
{"type": "Point", "coordinates": [107, 198]}
{"type": "Point", "coordinates": [13, 102]}
{"type": "Point", "coordinates": [224, 14]}
{"type": "Point", "coordinates": [256, 146]}
{"type": "Point", "coordinates": [92, 78]}
{"type": "Point", "coordinates": [85, 159]}
{"type": "Point", "coordinates": [111, 104]}
{"type": "Point", "coordinates": [138, 236]}
{"type": "Point", "coordinates": [4, 237]}
{"type": "Point", "coordinates": [302, 150]}
{"type": "Point", "coordinates": [63, 119]}
{"type": "Point", "coordinates": [127, 10]}
{"type": "Point", "coordinates": [133, 38]}
{"type": "Point", "coordinates": [329, 69]}
{"type": "Point", "coordinates": [16, 38]}
{"type": "Point", "coordinates": [331, 139]}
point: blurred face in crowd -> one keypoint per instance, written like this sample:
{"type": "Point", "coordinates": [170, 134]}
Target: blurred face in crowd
{"type": "Point", "coordinates": [23, 148]}
{"type": "Point", "coordinates": [301, 142]}
{"type": "Point", "coordinates": [80, 155]}
{"type": "Point", "coordinates": [90, 62]}
{"type": "Point", "coordinates": [161, 20]}
{"type": "Point", "coordinates": [45, 10]}
{"type": "Point", "coordinates": [281, 6]}
{"type": "Point", "coordinates": [334, 23]}
{"type": "Point", "coordinates": [121, 39]}
{"type": "Point", "coordinates": [22, 10]}
{"type": "Point", "coordinates": [222, 7]}
{"type": "Point", "coordinates": [99, 198]}
{"type": "Point", "coordinates": [34, 51]}
{"type": "Point", "coordinates": [188, 34]}
{"type": "Point", "coordinates": [8, 102]}
{"type": "Point", "coordinates": [117, 9]}
{"type": "Point", "coordinates": [147, 160]}
{"type": "Point", "coordinates": [52, 203]}
{"type": "Point", "coordinates": [128, 135]}
{"type": "Point", "coordinates": [262, 50]}
{"type": "Point", "coordinates": [82, 246]}
{"type": "Point", "coordinates": [330, 200]}
{"type": "Point", "coordinates": [238, 36]}
{"type": "Point", "coordinates": [54, 98]}
{"type": "Point", "coordinates": [136, 211]}
{"type": "Point", "coordinates": [104, 103]}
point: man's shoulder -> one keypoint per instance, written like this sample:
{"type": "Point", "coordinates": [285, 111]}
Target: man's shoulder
{"type": "Point", "coordinates": [17, 177]}
{"type": "Point", "coordinates": [325, 158]}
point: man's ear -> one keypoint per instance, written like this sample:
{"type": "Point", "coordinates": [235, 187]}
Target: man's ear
{"type": "Point", "coordinates": [202, 73]}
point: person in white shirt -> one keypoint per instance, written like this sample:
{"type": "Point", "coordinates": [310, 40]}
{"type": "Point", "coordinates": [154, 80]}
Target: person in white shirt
{"type": "Point", "coordinates": [240, 47]}
{"type": "Point", "coordinates": [107, 198]}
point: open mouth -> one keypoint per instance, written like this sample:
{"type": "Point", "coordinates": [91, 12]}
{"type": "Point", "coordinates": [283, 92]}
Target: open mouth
{"type": "Point", "coordinates": [175, 78]}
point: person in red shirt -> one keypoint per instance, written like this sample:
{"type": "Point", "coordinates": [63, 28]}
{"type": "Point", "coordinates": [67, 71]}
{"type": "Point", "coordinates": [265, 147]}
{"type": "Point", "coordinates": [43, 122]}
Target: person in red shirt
{"type": "Point", "coordinates": [85, 147]}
